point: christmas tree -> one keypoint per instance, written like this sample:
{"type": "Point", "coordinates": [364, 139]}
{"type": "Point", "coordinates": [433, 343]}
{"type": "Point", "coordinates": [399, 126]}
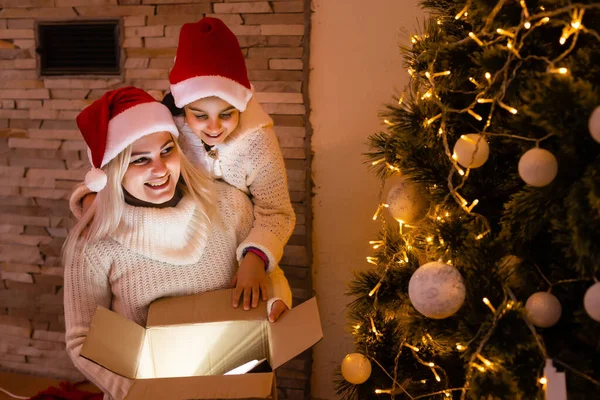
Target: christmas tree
{"type": "Point", "coordinates": [482, 284]}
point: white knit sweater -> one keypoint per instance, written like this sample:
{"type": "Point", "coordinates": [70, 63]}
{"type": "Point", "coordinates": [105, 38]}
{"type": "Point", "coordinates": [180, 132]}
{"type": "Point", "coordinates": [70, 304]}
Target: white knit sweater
{"type": "Point", "coordinates": [155, 253]}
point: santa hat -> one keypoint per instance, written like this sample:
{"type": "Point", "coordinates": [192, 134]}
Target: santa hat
{"type": "Point", "coordinates": [116, 120]}
{"type": "Point", "coordinates": [209, 62]}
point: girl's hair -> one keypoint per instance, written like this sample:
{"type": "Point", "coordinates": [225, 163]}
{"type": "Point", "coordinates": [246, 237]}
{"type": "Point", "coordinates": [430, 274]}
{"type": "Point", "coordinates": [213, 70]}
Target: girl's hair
{"type": "Point", "coordinates": [169, 102]}
{"type": "Point", "coordinates": [104, 215]}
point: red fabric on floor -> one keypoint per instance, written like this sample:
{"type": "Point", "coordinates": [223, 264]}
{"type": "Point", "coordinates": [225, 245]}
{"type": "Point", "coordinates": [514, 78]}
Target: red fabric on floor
{"type": "Point", "coordinates": [67, 391]}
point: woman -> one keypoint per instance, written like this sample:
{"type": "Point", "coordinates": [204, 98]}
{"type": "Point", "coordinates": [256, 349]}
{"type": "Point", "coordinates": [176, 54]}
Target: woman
{"type": "Point", "coordinates": [157, 228]}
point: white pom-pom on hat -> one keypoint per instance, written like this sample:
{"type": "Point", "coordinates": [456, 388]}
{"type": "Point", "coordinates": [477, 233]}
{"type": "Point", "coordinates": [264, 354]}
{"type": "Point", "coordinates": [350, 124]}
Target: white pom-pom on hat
{"type": "Point", "coordinates": [96, 179]}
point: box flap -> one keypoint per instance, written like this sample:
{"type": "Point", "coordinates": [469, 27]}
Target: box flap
{"type": "Point", "coordinates": [203, 387]}
{"type": "Point", "coordinates": [204, 307]}
{"type": "Point", "coordinates": [114, 342]}
{"type": "Point", "coordinates": [295, 331]}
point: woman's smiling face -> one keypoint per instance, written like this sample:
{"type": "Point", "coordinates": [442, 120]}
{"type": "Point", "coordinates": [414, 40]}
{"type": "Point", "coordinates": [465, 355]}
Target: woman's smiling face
{"type": "Point", "coordinates": [154, 168]}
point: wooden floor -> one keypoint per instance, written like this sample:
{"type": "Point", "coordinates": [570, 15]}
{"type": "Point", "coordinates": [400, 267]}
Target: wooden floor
{"type": "Point", "coordinates": [26, 385]}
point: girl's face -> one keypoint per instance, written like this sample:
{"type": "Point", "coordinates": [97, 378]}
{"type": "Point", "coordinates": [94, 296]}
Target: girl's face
{"type": "Point", "coordinates": [153, 171]}
{"type": "Point", "coordinates": [212, 119]}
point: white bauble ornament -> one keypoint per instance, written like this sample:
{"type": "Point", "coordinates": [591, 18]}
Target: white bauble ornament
{"type": "Point", "coordinates": [356, 368]}
{"type": "Point", "coordinates": [543, 309]}
{"type": "Point", "coordinates": [471, 151]}
{"type": "Point", "coordinates": [538, 167]}
{"type": "Point", "coordinates": [407, 201]}
{"type": "Point", "coordinates": [436, 290]}
{"type": "Point", "coordinates": [591, 301]}
{"type": "Point", "coordinates": [594, 124]}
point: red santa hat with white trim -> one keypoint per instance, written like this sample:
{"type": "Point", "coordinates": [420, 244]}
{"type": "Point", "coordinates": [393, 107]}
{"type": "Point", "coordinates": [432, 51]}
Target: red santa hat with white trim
{"type": "Point", "coordinates": [209, 62]}
{"type": "Point", "coordinates": [116, 120]}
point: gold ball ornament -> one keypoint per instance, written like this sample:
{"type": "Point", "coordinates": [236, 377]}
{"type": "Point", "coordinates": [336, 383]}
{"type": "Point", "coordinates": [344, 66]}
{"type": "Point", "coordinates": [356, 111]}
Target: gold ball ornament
{"type": "Point", "coordinates": [543, 309]}
{"type": "Point", "coordinates": [594, 124]}
{"type": "Point", "coordinates": [356, 368]}
{"type": "Point", "coordinates": [407, 201]}
{"type": "Point", "coordinates": [437, 290]}
{"type": "Point", "coordinates": [471, 151]}
{"type": "Point", "coordinates": [591, 301]}
{"type": "Point", "coordinates": [538, 167]}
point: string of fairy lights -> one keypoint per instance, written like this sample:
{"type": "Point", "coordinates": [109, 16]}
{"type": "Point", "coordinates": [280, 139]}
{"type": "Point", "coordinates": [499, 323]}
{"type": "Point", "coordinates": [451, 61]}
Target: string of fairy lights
{"type": "Point", "coordinates": [512, 39]}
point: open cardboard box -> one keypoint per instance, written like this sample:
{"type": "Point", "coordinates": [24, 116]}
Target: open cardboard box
{"type": "Point", "coordinates": [191, 342]}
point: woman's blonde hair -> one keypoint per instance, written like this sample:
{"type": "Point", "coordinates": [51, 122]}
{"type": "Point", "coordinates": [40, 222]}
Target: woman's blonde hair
{"type": "Point", "coordinates": [104, 215]}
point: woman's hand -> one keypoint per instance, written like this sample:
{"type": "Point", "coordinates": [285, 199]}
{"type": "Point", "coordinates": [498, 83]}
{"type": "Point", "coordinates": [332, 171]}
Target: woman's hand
{"type": "Point", "coordinates": [250, 281]}
{"type": "Point", "coordinates": [277, 309]}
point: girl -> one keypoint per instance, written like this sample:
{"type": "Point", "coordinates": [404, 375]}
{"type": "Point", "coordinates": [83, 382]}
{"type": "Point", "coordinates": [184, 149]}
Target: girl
{"type": "Point", "coordinates": [227, 133]}
{"type": "Point", "coordinates": [154, 229]}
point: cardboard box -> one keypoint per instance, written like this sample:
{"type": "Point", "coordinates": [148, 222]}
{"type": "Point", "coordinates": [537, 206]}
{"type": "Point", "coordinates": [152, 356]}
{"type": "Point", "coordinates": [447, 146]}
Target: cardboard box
{"type": "Point", "coordinates": [190, 342]}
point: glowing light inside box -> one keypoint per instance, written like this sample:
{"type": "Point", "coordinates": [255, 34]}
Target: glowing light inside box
{"type": "Point", "coordinates": [202, 349]}
{"type": "Point", "coordinates": [146, 365]}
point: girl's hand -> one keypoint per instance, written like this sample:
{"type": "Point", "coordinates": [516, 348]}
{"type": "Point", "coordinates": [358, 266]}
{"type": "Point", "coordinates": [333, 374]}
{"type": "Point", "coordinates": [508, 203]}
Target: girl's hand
{"type": "Point", "coordinates": [277, 309]}
{"type": "Point", "coordinates": [250, 281]}
{"type": "Point", "coordinates": [86, 202]}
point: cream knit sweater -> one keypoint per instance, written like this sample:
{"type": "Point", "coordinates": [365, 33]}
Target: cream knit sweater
{"type": "Point", "coordinates": [155, 253]}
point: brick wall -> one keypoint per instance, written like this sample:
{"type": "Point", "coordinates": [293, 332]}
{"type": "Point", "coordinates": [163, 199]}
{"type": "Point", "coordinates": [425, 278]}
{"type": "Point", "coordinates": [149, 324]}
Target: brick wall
{"type": "Point", "coordinates": [42, 154]}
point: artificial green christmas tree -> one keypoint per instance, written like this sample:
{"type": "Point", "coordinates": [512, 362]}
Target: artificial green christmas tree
{"type": "Point", "coordinates": [483, 281]}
